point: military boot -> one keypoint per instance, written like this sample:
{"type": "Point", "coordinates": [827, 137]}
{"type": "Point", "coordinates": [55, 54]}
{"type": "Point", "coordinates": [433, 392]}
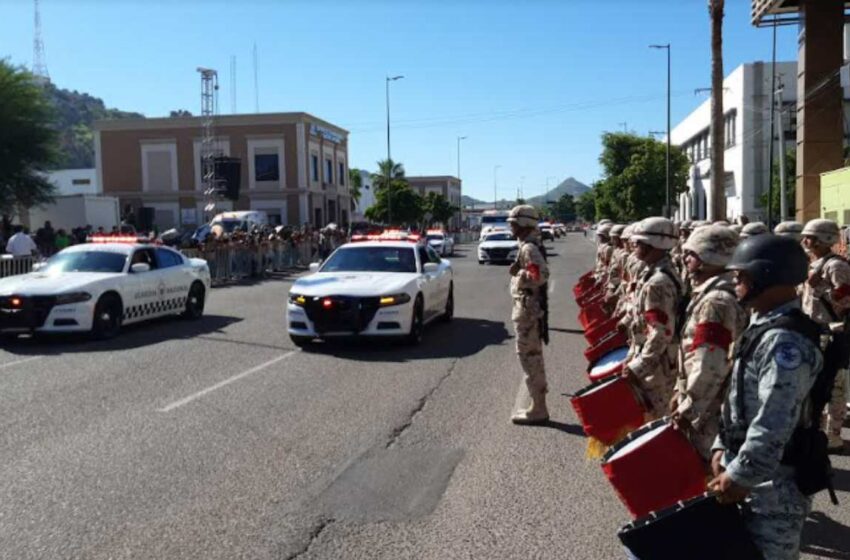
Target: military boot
{"type": "Point", "coordinates": [536, 414]}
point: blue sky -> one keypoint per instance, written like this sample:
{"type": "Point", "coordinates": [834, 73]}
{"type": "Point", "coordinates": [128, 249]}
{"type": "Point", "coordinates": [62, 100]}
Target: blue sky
{"type": "Point", "coordinates": [532, 83]}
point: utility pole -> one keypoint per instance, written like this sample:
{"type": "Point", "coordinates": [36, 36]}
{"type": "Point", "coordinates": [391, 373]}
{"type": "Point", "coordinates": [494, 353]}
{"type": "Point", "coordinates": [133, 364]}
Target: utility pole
{"type": "Point", "coordinates": [39, 64]}
{"type": "Point", "coordinates": [459, 138]}
{"type": "Point", "coordinates": [389, 156]}
{"type": "Point", "coordinates": [770, 128]}
{"type": "Point", "coordinates": [495, 187]}
{"type": "Point", "coordinates": [209, 147]}
{"type": "Point", "coordinates": [667, 206]}
{"type": "Point", "coordinates": [718, 119]}
{"type": "Point", "coordinates": [780, 131]}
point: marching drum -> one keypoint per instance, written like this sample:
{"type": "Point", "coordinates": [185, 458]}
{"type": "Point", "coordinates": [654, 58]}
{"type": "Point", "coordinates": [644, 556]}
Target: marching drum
{"type": "Point", "coordinates": [610, 342]}
{"type": "Point", "coordinates": [697, 529]}
{"type": "Point", "coordinates": [595, 295]}
{"type": "Point", "coordinates": [608, 410]}
{"type": "Point", "coordinates": [598, 330]}
{"type": "Point", "coordinates": [585, 283]}
{"type": "Point", "coordinates": [593, 314]}
{"type": "Point", "coordinates": [654, 467]}
{"type": "Point", "coordinates": [608, 365]}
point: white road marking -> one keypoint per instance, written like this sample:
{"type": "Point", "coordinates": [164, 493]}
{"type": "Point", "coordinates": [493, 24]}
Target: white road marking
{"type": "Point", "coordinates": [551, 285]}
{"type": "Point", "coordinates": [220, 384]}
{"type": "Point", "coordinates": [18, 362]}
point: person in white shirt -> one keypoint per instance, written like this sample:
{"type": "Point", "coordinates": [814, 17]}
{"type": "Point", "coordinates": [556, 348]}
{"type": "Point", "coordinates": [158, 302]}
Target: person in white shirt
{"type": "Point", "coordinates": [21, 244]}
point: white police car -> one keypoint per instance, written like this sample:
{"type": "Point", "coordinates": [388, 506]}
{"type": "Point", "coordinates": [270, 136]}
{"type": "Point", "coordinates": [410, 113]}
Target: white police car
{"type": "Point", "coordinates": [441, 242]}
{"type": "Point", "coordinates": [101, 285]}
{"type": "Point", "coordinates": [386, 285]}
{"type": "Point", "coordinates": [498, 246]}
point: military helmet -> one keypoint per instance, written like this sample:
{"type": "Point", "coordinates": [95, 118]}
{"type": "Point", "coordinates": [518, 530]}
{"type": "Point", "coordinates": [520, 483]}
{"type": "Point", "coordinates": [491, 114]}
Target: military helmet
{"type": "Point", "coordinates": [770, 260]}
{"type": "Point", "coordinates": [524, 215]}
{"type": "Point", "coordinates": [686, 225]}
{"type": "Point", "coordinates": [604, 230]}
{"type": "Point", "coordinates": [791, 229]}
{"type": "Point", "coordinates": [627, 232]}
{"type": "Point", "coordinates": [753, 229]}
{"type": "Point", "coordinates": [656, 232]}
{"type": "Point", "coordinates": [617, 230]}
{"type": "Point", "coordinates": [736, 228]}
{"type": "Point", "coordinates": [604, 221]}
{"type": "Point", "coordinates": [714, 245]}
{"type": "Point", "coordinates": [825, 231]}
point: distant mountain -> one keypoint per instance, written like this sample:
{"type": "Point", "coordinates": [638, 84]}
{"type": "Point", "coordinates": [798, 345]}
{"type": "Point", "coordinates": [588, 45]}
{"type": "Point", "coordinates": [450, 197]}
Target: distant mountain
{"type": "Point", "coordinates": [569, 186]}
{"type": "Point", "coordinates": [75, 114]}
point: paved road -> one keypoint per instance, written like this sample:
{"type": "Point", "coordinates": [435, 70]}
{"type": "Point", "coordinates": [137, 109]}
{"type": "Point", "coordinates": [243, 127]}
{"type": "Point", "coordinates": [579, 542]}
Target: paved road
{"type": "Point", "coordinates": [219, 439]}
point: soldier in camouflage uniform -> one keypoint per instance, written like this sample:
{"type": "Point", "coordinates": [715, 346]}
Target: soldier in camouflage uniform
{"type": "Point", "coordinates": [615, 266]}
{"type": "Point", "coordinates": [753, 229]}
{"type": "Point", "coordinates": [714, 319]}
{"type": "Point", "coordinates": [651, 322]}
{"type": "Point", "coordinates": [604, 250]}
{"type": "Point", "coordinates": [774, 379]}
{"type": "Point", "coordinates": [529, 275]}
{"type": "Point", "coordinates": [676, 254]}
{"type": "Point", "coordinates": [826, 299]}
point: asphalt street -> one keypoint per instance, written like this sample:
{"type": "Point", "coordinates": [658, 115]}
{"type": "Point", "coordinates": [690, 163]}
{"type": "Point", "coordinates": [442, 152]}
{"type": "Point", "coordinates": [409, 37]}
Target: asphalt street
{"type": "Point", "coordinates": [220, 439]}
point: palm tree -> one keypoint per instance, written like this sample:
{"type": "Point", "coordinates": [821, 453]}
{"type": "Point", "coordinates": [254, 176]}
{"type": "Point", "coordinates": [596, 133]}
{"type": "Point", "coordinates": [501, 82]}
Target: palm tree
{"type": "Point", "coordinates": [718, 133]}
{"type": "Point", "coordinates": [386, 168]}
{"type": "Point", "coordinates": [355, 183]}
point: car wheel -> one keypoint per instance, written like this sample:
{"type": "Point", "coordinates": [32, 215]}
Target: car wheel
{"type": "Point", "coordinates": [480, 262]}
{"type": "Point", "coordinates": [195, 302]}
{"type": "Point", "coordinates": [107, 318]}
{"type": "Point", "coordinates": [417, 323]}
{"type": "Point", "coordinates": [449, 313]}
{"type": "Point", "coordinates": [300, 341]}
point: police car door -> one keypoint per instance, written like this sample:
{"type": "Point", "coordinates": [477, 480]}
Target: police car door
{"type": "Point", "coordinates": [176, 279]}
{"type": "Point", "coordinates": [430, 288]}
{"type": "Point", "coordinates": [442, 280]}
{"type": "Point", "coordinates": [142, 300]}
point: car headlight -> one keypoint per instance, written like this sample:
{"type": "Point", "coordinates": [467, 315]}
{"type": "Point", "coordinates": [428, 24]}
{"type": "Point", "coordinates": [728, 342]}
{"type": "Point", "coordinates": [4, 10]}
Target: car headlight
{"type": "Point", "coordinates": [73, 297]}
{"type": "Point", "coordinates": [297, 299]}
{"type": "Point", "coordinates": [396, 299]}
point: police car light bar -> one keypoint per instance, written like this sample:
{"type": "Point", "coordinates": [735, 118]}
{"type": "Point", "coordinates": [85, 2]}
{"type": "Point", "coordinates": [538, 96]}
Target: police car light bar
{"type": "Point", "coordinates": [132, 239]}
{"type": "Point", "coordinates": [388, 236]}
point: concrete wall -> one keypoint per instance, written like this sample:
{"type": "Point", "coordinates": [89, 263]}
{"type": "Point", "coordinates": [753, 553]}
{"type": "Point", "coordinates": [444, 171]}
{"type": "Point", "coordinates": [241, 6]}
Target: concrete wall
{"type": "Point", "coordinates": [74, 181]}
{"type": "Point", "coordinates": [835, 196]}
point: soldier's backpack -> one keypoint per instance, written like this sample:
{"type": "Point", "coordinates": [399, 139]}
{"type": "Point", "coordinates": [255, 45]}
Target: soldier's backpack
{"type": "Point", "coordinates": [807, 449]}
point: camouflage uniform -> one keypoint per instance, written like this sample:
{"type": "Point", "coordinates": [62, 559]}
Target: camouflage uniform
{"type": "Point", "coordinates": [653, 341]}
{"type": "Point", "coordinates": [776, 381]}
{"type": "Point", "coordinates": [714, 320]}
{"type": "Point", "coordinates": [616, 271]}
{"type": "Point", "coordinates": [832, 283]}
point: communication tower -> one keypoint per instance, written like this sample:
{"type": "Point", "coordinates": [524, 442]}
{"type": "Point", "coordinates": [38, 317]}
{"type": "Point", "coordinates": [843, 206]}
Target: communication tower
{"type": "Point", "coordinates": [39, 64]}
{"type": "Point", "coordinates": [209, 144]}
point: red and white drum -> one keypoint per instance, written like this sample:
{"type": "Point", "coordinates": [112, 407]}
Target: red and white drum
{"type": "Point", "coordinates": [594, 295]}
{"type": "Point", "coordinates": [585, 283]}
{"type": "Point", "coordinates": [608, 409]}
{"type": "Point", "coordinates": [610, 342]}
{"type": "Point", "coordinates": [610, 364]}
{"type": "Point", "coordinates": [592, 315]}
{"type": "Point", "coordinates": [653, 468]}
{"type": "Point", "coordinates": [597, 331]}
{"type": "Point", "coordinates": [697, 529]}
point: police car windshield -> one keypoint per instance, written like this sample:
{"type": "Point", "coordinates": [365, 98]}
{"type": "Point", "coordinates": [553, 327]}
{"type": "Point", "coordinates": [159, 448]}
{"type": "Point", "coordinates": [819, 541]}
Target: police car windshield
{"type": "Point", "coordinates": [434, 237]}
{"type": "Point", "coordinates": [85, 261]}
{"type": "Point", "coordinates": [371, 259]}
{"type": "Point", "coordinates": [500, 237]}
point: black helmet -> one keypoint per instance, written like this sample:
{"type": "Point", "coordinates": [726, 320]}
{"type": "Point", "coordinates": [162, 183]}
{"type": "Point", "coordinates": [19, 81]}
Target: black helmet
{"type": "Point", "coordinates": [770, 260]}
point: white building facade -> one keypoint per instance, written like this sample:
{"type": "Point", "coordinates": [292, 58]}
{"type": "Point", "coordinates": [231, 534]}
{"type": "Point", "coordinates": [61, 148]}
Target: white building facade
{"type": "Point", "coordinates": [746, 106]}
{"type": "Point", "coordinates": [74, 181]}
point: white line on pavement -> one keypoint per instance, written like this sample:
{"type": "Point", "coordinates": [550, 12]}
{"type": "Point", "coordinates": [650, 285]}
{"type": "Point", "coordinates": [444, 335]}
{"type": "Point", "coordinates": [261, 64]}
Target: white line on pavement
{"type": "Point", "coordinates": [551, 285]}
{"type": "Point", "coordinates": [220, 384]}
{"type": "Point", "coordinates": [18, 362]}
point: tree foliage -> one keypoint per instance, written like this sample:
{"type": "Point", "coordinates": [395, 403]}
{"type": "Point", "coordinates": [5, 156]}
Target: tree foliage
{"type": "Point", "coordinates": [790, 185]}
{"type": "Point", "coordinates": [586, 206]}
{"type": "Point", "coordinates": [387, 168]}
{"type": "Point", "coordinates": [564, 209]}
{"type": "Point", "coordinates": [27, 141]}
{"type": "Point", "coordinates": [437, 208]}
{"type": "Point", "coordinates": [355, 186]}
{"type": "Point", "coordinates": [634, 177]}
{"type": "Point", "coordinates": [407, 208]}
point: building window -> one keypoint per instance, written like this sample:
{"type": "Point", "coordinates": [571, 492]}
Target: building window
{"type": "Point", "coordinates": [342, 173]}
{"type": "Point", "coordinates": [266, 167]}
{"type": "Point", "coordinates": [314, 160]}
{"type": "Point", "coordinates": [329, 171]}
{"type": "Point", "coordinates": [80, 181]}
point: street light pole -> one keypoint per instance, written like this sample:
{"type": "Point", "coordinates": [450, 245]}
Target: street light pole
{"type": "Point", "coordinates": [459, 138]}
{"type": "Point", "coordinates": [389, 157]}
{"type": "Point", "coordinates": [667, 192]}
{"type": "Point", "coordinates": [495, 188]}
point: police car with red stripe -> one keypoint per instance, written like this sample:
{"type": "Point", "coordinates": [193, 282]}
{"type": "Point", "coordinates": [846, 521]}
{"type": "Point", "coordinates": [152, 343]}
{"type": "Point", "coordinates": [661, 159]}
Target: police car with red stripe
{"type": "Point", "coordinates": [101, 285]}
{"type": "Point", "coordinates": [391, 284]}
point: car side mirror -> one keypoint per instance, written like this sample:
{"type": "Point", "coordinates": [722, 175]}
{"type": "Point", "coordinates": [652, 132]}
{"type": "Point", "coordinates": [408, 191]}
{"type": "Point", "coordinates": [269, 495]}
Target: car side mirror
{"type": "Point", "coordinates": [314, 267]}
{"type": "Point", "coordinates": [140, 267]}
{"type": "Point", "coordinates": [430, 267]}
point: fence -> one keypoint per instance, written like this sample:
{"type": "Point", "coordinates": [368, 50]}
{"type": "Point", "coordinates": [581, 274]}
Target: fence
{"type": "Point", "coordinates": [12, 266]}
{"type": "Point", "coordinates": [231, 263]}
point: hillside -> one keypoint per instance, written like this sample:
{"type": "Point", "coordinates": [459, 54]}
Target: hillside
{"type": "Point", "coordinates": [75, 115]}
{"type": "Point", "coordinates": [567, 186]}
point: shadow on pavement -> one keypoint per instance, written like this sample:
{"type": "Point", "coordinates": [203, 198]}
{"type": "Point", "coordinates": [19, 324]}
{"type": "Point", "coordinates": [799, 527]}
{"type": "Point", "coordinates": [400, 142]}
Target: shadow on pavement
{"type": "Point", "coordinates": [825, 538]}
{"type": "Point", "coordinates": [572, 429]}
{"type": "Point", "coordinates": [568, 331]}
{"type": "Point", "coordinates": [132, 336]}
{"type": "Point", "coordinates": [461, 338]}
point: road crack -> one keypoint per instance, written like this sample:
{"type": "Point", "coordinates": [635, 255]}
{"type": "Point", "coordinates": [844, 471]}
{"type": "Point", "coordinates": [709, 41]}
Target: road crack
{"type": "Point", "coordinates": [396, 434]}
{"type": "Point", "coordinates": [314, 535]}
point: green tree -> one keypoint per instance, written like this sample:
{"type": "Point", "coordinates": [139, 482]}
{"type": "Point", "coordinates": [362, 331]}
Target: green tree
{"type": "Point", "coordinates": [439, 208]}
{"type": "Point", "coordinates": [634, 182]}
{"type": "Point", "coordinates": [790, 185]}
{"type": "Point", "coordinates": [355, 185]}
{"type": "Point", "coordinates": [386, 168]}
{"type": "Point", "coordinates": [27, 141]}
{"type": "Point", "coordinates": [586, 206]}
{"type": "Point", "coordinates": [406, 205]}
{"type": "Point", "coordinates": [564, 209]}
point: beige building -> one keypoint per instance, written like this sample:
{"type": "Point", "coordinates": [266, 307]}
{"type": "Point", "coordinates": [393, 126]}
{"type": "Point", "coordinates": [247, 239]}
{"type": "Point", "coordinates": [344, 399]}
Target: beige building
{"type": "Point", "coordinates": [294, 167]}
{"type": "Point", "coordinates": [446, 185]}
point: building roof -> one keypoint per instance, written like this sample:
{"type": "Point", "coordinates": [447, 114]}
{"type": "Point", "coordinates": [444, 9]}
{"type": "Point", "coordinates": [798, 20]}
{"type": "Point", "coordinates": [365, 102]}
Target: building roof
{"type": "Point", "coordinates": [248, 119]}
{"type": "Point", "coordinates": [431, 178]}
{"type": "Point", "coordinates": [783, 12]}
